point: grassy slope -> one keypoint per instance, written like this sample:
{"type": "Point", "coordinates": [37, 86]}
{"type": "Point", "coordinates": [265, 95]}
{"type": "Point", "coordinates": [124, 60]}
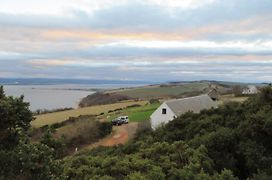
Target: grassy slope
{"type": "Point", "coordinates": [135, 114]}
{"type": "Point", "coordinates": [51, 118]}
{"type": "Point", "coordinates": [141, 92]}
{"type": "Point", "coordinates": [138, 114]}
{"type": "Point", "coordinates": [71, 129]}
{"type": "Point", "coordinates": [157, 91]}
{"type": "Point", "coordinates": [231, 97]}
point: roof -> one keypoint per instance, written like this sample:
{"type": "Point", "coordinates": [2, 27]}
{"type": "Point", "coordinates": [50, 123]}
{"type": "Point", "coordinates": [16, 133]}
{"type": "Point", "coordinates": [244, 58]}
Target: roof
{"type": "Point", "coordinates": [195, 104]}
{"type": "Point", "coordinates": [212, 91]}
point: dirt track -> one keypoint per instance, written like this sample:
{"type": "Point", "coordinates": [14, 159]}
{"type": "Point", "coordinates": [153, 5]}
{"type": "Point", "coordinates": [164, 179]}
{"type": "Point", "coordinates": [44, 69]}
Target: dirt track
{"type": "Point", "coordinates": [120, 135]}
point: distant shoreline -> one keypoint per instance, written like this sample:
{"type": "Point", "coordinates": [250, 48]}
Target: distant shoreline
{"type": "Point", "coordinates": [49, 81]}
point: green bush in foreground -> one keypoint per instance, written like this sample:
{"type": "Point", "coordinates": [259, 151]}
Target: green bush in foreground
{"type": "Point", "coordinates": [159, 160]}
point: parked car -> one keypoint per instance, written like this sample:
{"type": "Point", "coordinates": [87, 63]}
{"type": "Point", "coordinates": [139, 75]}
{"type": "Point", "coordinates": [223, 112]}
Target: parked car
{"type": "Point", "coordinates": [117, 122]}
{"type": "Point", "coordinates": [124, 119]}
{"type": "Point", "coordinates": [120, 120]}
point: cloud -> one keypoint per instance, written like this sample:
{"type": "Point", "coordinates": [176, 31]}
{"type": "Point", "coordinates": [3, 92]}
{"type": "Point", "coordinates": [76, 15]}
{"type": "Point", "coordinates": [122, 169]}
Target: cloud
{"type": "Point", "coordinates": [161, 40]}
{"type": "Point", "coordinates": [144, 15]}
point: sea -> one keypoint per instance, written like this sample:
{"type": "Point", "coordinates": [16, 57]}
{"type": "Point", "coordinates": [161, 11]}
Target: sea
{"type": "Point", "coordinates": [52, 97]}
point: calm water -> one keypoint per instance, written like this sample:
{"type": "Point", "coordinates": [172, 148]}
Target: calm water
{"type": "Point", "coordinates": [55, 96]}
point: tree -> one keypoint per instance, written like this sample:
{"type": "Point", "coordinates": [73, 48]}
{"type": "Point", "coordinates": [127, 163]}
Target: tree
{"type": "Point", "coordinates": [2, 93]}
{"type": "Point", "coordinates": [21, 159]}
{"type": "Point", "coordinates": [237, 90]}
{"type": "Point", "coordinates": [15, 118]}
{"type": "Point", "coordinates": [58, 146]}
{"type": "Point", "coordinates": [154, 101]}
{"type": "Point", "coordinates": [29, 161]}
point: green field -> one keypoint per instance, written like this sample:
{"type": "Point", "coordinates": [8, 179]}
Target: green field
{"type": "Point", "coordinates": [51, 118]}
{"type": "Point", "coordinates": [135, 114]}
{"type": "Point", "coordinates": [158, 91]}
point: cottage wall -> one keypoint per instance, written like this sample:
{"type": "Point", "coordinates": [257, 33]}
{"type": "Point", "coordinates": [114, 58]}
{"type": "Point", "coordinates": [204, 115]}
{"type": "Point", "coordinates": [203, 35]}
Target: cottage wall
{"type": "Point", "coordinates": [157, 118]}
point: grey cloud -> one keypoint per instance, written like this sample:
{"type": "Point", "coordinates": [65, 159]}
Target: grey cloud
{"type": "Point", "coordinates": [123, 52]}
{"type": "Point", "coordinates": [156, 71]}
{"type": "Point", "coordinates": [146, 16]}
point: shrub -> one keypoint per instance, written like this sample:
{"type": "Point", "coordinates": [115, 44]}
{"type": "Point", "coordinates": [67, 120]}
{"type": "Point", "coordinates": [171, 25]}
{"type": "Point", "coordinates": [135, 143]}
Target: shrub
{"type": "Point", "coordinates": [134, 105]}
{"type": "Point", "coordinates": [105, 128]}
{"type": "Point", "coordinates": [154, 101]}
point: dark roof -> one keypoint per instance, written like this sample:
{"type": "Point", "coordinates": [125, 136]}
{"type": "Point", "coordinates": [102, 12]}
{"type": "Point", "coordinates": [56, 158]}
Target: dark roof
{"type": "Point", "coordinates": [212, 91]}
{"type": "Point", "coordinates": [194, 104]}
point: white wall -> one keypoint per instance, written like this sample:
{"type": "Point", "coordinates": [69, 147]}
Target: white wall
{"type": "Point", "coordinates": [157, 118]}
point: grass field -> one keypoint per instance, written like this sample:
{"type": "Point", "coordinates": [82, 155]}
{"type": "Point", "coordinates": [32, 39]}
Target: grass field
{"type": "Point", "coordinates": [231, 97]}
{"type": "Point", "coordinates": [157, 91]}
{"type": "Point", "coordinates": [71, 129]}
{"type": "Point", "coordinates": [51, 118]}
{"type": "Point", "coordinates": [135, 114]}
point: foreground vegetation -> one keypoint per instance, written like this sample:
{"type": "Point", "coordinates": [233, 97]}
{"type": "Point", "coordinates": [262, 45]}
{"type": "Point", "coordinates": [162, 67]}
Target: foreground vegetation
{"type": "Point", "coordinates": [231, 142]}
{"type": "Point", "coordinates": [72, 135]}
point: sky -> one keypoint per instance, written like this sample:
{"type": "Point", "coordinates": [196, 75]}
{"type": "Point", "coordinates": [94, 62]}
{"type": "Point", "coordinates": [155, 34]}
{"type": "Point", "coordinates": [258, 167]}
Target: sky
{"type": "Point", "coordinates": [150, 40]}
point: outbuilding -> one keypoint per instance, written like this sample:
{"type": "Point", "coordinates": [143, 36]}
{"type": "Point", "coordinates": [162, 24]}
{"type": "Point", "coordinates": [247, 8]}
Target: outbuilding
{"type": "Point", "coordinates": [251, 89]}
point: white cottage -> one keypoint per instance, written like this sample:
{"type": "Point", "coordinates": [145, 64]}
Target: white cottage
{"type": "Point", "coordinates": [250, 90]}
{"type": "Point", "coordinates": [174, 108]}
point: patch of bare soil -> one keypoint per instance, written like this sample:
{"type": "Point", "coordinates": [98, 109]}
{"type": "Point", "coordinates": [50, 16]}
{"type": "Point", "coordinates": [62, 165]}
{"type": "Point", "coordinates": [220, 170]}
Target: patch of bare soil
{"type": "Point", "coordinates": [120, 135]}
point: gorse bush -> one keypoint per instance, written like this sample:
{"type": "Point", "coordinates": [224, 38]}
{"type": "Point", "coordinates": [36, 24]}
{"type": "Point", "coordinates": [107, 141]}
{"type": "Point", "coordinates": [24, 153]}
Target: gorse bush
{"type": "Point", "coordinates": [83, 132]}
{"type": "Point", "coordinates": [159, 160]}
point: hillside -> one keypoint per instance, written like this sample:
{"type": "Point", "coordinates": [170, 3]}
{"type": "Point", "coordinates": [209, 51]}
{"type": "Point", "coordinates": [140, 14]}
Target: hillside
{"type": "Point", "coordinates": [160, 91]}
{"type": "Point", "coordinates": [102, 98]}
{"type": "Point", "coordinates": [233, 141]}
{"type": "Point", "coordinates": [175, 89]}
{"type": "Point", "coordinates": [57, 117]}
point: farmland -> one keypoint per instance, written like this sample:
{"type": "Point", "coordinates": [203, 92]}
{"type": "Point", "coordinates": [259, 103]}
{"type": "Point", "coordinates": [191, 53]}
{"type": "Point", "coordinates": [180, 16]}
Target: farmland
{"type": "Point", "coordinates": [51, 118]}
{"type": "Point", "coordinates": [135, 114]}
{"type": "Point", "coordinates": [146, 92]}
{"type": "Point", "coordinates": [168, 90]}
{"type": "Point", "coordinates": [160, 91]}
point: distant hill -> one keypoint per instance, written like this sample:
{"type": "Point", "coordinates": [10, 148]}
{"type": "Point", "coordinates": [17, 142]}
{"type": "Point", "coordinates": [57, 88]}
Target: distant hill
{"type": "Point", "coordinates": [159, 91]}
{"type": "Point", "coordinates": [55, 81]}
{"type": "Point", "coordinates": [169, 90]}
{"type": "Point", "coordinates": [101, 99]}
{"type": "Point", "coordinates": [224, 83]}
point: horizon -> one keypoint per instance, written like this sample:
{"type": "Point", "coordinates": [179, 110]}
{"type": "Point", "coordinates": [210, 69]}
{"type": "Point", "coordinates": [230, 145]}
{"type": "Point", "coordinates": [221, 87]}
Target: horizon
{"type": "Point", "coordinates": [31, 81]}
{"type": "Point", "coordinates": [152, 40]}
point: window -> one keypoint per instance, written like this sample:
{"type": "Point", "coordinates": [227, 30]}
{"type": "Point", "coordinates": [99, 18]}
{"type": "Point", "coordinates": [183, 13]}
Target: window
{"type": "Point", "coordinates": [163, 110]}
